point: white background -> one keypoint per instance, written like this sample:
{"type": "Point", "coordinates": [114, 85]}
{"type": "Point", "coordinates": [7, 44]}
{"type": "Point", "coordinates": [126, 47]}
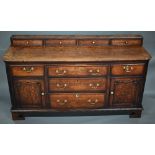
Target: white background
{"type": "Point", "coordinates": [77, 15]}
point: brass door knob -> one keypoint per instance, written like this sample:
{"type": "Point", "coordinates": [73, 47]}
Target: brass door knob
{"type": "Point", "coordinates": [112, 93]}
{"type": "Point", "coordinates": [42, 94]}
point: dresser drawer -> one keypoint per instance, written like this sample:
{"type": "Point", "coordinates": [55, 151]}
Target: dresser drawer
{"type": "Point", "coordinates": [126, 42]}
{"type": "Point", "coordinates": [77, 100]}
{"type": "Point", "coordinates": [128, 69]}
{"type": "Point", "coordinates": [27, 42]}
{"type": "Point", "coordinates": [27, 70]}
{"type": "Point", "coordinates": [77, 84]}
{"type": "Point", "coordinates": [60, 42]}
{"type": "Point", "coordinates": [66, 71]}
{"type": "Point", "coordinates": [94, 42]}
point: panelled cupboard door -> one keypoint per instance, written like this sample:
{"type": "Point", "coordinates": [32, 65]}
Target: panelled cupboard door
{"type": "Point", "coordinates": [29, 93]}
{"type": "Point", "coordinates": [126, 92]}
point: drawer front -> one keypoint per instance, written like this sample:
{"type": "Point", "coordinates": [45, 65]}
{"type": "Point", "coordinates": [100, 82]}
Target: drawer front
{"type": "Point", "coordinates": [27, 42]}
{"type": "Point", "coordinates": [77, 100]}
{"type": "Point", "coordinates": [66, 71]}
{"type": "Point", "coordinates": [128, 69]}
{"type": "Point", "coordinates": [58, 42]}
{"type": "Point", "coordinates": [77, 84]}
{"type": "Point", "coordinates": [93, 42]}
{"type": "Point", "coordinates": [126, 42]}
{"type": "Point", "coordinates": [27, 70]}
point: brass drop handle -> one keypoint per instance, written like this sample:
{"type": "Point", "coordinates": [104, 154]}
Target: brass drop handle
{"type": "Point", "coordinates": [62, 102]}
{"type": "Point", "coordinates": [60, 42]}
{"type": "Point", "coordinates": [94, 72]}
{"type": "Point", "coordinates": [28, 69]}
{"type": "Point", "coordinates": [94, 86]}
{"type": "Point", "coordinates": [62, 85]}
{"type": "Point", "coordinates": [61, 72]}
{"type": "Point", "coordinates": [127, 68]}
{"type": "Point", "coordinates": [91, 102]}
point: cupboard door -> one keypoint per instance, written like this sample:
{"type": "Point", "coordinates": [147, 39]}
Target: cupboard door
{"type": "Point", "coordinates": [126, 92]}
{"type": "Point", "coordinates": [29, 93]}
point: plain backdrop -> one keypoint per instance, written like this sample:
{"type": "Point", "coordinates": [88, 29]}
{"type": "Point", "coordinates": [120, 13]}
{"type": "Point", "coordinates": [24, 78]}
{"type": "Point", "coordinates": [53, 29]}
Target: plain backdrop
{"type": "Point", "coordinates": [148, 115]}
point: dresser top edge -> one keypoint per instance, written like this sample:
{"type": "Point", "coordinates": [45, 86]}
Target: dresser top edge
{"type": "Point", "coordinates": [127, 36]}
{"type": "Point", "coordinates": [75, 54]}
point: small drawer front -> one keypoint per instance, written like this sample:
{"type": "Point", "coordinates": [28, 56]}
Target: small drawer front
{"type": "Point", "coordinates": [128, 69]}
{"type": "Point", "coordinates": [77, 100]}
{"type": "Point", "coordinates": [126, 42]}
{"type": "Point", "coordinates": [27, 42]}
{"type": "Point", "coordinates": [27, 70]}
{"type": "Point", "coordinates": [77, 84]}
{"type": "Point", "coordinates": [93, 42]}
{"type": "Point", "coordinates": [66, 71]}
{"type": "Point", "coordinates": [58, 42]}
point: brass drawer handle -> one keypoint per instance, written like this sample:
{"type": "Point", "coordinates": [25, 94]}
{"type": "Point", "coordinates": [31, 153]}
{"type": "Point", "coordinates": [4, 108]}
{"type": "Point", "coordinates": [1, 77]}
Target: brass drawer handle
{"type": "Point", "coordinates": [62, 102]}
{"type": "Point", "coordinates": [94, 86]}
{"type": "Point", "coordinates": [60, 42]}
{"type": "Point", "coordinates": [61, 85]}
{"type": "Point", "coordinates": [91, 102]}
{"type": "Point", "coordinates": [94, 72]}
{"type": "Point", "coordinates": [28, 69]}
{"type": "Point", "coordinates": [61, 72]}
{"type": "Point", "coordinates": [127, 68]}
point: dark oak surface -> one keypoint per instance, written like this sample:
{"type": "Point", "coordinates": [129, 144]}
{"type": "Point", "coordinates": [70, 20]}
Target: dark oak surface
{"type": "Point", "coordinates": [93, 75]}
{"type": "Point", "coordinates": [75, 54]}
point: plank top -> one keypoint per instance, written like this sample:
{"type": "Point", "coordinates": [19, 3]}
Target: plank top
{"type": "Point", "coordinates": [75, 54]}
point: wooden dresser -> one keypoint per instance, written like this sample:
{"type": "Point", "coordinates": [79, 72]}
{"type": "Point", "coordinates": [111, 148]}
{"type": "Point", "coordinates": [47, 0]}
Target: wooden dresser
{"type": "Point", "coordinates": [57, 75]}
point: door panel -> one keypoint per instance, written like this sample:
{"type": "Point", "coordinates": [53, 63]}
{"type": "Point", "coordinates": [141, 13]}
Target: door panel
{"type": "Point", "coordinates": [29, 93]}
{"type": "Point", "coordinates": [126, 92]}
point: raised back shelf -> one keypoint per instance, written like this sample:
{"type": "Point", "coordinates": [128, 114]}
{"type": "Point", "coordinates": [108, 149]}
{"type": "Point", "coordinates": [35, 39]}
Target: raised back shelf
{"type": "Point", "coordinates": [76, 40]}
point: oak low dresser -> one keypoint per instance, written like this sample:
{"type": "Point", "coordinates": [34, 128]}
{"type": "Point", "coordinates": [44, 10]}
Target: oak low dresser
{"type": "Point", "coordinates": [76, 75]}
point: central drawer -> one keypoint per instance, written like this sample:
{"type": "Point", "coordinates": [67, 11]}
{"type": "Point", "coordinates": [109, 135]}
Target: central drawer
{"type": "Point", "coordinates": [77, 71]}
{"type": "Point", "coordinates": [77, 84]}
{"type": "Point", "coordinates": [77, 100]}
